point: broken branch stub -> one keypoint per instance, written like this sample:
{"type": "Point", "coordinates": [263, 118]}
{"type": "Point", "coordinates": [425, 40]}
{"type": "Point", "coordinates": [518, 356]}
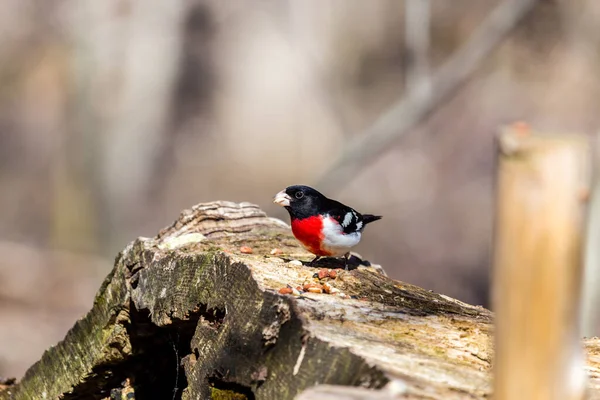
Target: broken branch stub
{"type": "Point", "coordinates": [188, 314]}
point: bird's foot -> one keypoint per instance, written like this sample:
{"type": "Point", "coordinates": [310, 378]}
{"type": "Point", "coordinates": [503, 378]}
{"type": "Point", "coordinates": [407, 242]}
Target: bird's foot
{"type": "Point", "coordinates": [346, 257]}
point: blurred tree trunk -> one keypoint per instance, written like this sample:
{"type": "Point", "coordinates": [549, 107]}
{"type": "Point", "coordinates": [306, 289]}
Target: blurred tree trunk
{"type": "Point", "coordinates": [418, 16]}
{"type": "Point", "coordinates": [125, 60]}
{"type": "Point", "coordinates": [590, 324]}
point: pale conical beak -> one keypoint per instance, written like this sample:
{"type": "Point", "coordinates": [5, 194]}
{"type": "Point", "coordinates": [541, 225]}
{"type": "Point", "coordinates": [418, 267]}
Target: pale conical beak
{"type": "Point", "coordinates": [282, 199]}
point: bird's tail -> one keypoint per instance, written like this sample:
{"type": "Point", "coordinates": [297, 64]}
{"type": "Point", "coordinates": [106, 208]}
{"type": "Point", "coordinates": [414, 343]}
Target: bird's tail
{"type": "Point", "coordinates": [370, 218]}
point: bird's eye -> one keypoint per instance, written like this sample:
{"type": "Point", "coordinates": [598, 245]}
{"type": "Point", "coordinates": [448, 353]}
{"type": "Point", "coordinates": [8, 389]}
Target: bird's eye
{"type": "Point", "coordinates": [299, 195]}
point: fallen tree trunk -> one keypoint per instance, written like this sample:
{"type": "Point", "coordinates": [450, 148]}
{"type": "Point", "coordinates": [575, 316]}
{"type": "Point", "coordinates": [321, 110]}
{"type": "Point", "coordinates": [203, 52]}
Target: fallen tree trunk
{"type": "Point", "coordinates": [190, 314]}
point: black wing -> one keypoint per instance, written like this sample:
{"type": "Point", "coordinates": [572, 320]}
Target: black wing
{"type": "Point", "coordinates": [350, 219]}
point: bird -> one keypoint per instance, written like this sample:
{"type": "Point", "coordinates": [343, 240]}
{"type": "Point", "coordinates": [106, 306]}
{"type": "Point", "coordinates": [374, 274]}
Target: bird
{"type": "Point", "coordinates": [325, 227]}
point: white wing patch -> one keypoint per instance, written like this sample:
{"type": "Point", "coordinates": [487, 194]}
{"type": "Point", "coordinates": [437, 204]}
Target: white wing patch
{"type": "Point", "coordinates": [334, 239]}
{"type": "Point", "coordinates": [347, 219]}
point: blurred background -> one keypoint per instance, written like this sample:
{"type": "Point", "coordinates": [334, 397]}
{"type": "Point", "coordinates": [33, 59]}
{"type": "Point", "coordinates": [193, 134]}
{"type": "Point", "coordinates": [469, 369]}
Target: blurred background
{"type": "Point", "coordinates": [116, 115]}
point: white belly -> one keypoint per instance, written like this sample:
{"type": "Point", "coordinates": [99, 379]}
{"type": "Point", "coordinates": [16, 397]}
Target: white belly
{"type": "Point", "coordinates": [334, 239]}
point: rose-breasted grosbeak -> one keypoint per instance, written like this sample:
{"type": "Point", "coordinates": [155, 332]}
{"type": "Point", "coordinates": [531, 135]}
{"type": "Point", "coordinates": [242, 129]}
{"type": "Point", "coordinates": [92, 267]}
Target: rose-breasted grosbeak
{"type": "Point", "coordinates": [325, 227]}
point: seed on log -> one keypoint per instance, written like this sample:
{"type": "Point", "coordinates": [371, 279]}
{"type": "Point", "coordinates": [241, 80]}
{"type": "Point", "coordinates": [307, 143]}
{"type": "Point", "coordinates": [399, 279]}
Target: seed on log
{"type": "Point", "coordinates": [309, 285]}
{"type": "Point", "coordinates": [246, 250]}
{"type": "Point", "coordinates": [323, 273]}
{"type": "Point", "coordinates": [285, 290]}
{"type": "Point", "coordinates": [329, 289]}
{"type": "Point", "coordinates": [276, 252]}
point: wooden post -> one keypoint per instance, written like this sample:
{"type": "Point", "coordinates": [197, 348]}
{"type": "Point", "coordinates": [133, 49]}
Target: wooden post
{"type": "Point", "coordinates": [542, 181]}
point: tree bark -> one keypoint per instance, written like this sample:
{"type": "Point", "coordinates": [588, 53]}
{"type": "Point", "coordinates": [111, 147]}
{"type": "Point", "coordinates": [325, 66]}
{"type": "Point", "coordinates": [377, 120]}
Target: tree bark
{"type": "Point", "coordinates": [188, 315]}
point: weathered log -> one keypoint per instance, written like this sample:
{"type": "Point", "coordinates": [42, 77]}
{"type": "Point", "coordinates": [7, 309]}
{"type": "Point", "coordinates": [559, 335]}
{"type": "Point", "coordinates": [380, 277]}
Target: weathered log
{"type": "Point", "coordinates": [188, 315]}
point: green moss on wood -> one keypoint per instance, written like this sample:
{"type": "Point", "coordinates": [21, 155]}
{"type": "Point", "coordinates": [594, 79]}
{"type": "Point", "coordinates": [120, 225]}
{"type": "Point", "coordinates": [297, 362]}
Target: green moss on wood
{"type": "Point", "coordinates": [218, 394]}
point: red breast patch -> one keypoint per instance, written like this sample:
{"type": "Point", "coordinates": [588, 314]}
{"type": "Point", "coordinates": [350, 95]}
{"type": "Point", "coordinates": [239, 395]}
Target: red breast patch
{"type": "Point", "coordinates": [309, 231]}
